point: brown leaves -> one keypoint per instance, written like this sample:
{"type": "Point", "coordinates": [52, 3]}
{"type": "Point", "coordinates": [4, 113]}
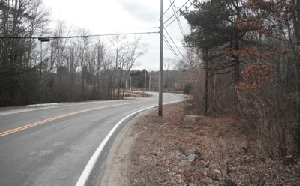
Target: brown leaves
{"type": "Point", "coordinates": [256, 78]}
{"type": "Point", "coordinates": [253, 52]}
{"type": "Point", "coordinates": [222, 145]}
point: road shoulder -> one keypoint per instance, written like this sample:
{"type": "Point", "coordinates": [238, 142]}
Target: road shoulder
{"type": "Point", "coordinates": [118, 160]}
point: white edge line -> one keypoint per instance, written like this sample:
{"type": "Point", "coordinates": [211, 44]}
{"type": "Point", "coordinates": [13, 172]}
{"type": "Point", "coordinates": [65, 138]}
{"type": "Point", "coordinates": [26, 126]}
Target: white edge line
{"type": "Point", "coordinates": [89, 167]}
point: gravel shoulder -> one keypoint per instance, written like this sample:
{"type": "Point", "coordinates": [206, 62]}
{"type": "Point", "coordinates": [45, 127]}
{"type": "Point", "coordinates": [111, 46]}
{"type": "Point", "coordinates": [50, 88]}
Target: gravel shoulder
{"type": "Point", "coordinates": [118, 161]}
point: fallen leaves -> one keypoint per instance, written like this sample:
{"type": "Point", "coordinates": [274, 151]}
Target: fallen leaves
{"type": "Point", "coordinates": [221, 152]}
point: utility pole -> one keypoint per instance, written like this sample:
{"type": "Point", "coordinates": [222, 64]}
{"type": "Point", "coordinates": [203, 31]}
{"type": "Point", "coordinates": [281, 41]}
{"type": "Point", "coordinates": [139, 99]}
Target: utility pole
{"type": "Point", "coordinates": [160, 101]}
{"type": "Point", "coordinates": [145, 80]}
{"type": "Point", "coordinates": [150, 84]}
{"type": "Point", "coordinates": [41, 60]}
{"type": "Point", "coordinates": [130, 83]}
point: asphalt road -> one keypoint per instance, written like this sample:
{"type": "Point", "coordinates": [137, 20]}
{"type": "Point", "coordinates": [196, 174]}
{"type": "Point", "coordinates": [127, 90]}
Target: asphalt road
{"type": "Point", "coordinates": [51, 145]}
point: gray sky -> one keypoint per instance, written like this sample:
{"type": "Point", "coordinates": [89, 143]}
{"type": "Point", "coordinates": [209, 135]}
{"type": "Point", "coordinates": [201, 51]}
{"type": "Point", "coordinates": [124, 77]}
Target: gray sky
{"type": "Point", "coordinates": [124, 16]}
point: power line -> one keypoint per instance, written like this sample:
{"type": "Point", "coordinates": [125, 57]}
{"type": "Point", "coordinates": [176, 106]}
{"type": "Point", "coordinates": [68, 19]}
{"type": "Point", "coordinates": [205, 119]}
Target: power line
{"type": "Point", "coordinates": [175, 14]}
{"type": "Point", "coordinates": [170, 23]}
{"type": "Point", "coordinates": [169, 6]}
{"type": "Point", "coordinates": [70, 37]}
{"type": "Point", "coordinates": [177, 11]}
{"type": "Point", "coordinates": [173, 41]}
{"type": "Point", "coordinates": [177, 18]}
{"type": "Point", "coordinates": [171, 48]}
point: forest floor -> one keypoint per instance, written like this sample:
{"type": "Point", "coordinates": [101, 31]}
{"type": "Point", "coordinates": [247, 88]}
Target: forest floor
{"type": "Point", "coordinates": [154, 150]}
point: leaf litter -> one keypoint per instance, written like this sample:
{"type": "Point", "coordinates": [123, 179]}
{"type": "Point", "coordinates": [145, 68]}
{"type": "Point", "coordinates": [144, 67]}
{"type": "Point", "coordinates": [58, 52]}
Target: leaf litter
{"type": "Point", "coordinates": [212, 151]}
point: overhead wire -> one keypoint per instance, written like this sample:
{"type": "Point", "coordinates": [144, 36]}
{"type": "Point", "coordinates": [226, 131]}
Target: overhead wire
{"type": "Point", "coordinates": [173, 41]}
{"type": "Point", "coordinates": [70, 37]}
{"type": "Point", "coordinates": [171, 48]}
{"type": "Point", "coordinates": [177, 11]}
{"type": "Point", "coordinates": [177, 18]}
{"type": "Point", "coordinates": [175, 14]}
{"type": "Point", "coordinates": [171, 4]}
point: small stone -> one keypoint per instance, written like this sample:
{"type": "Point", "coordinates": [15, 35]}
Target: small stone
{"type": "Point", "coordinates": [33, 153]}
{"type": "Point", "coordinates": [248, 160]}
{"type": "Point", "coordinates": [288, 160]}
{"type": "Point", "coordinates": [193, 118]}
{"type": "Point", "coordinates": [229, 182]}
{"type": "Point", "coordinates": [45, 153]}
{"type": "Point", "coordinates": [192, 157]}
{"type": "Point", "coordinates": [183, 157]}
{"type": "Point", "coordinates": [217, 171]}
{"type": "Point", "coordinates": [191, 184]}
{"type": "Point", "coordinates": [214, 176]}
{"type": "Point", "coordinates": [172, 155]}
{"type": "Point", "coordinates": [184, 162]}
{"type": "Point", "coordinates": [207, 170]}
{"type": "Point", "coordinates": [217, 183]}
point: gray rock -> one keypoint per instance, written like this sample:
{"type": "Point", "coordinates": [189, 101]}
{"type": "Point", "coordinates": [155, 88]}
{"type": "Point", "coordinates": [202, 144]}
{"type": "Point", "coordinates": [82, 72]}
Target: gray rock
{"type": "Point", "coordinates": [184, 162]}
{"type": "Point", "coordinates": [192, 157]}
{"type": "Point", "coordinates": [217, 183]}
{"type": "Point", "coordinates": [207, 170]}
{"type": "Point", "coordinates": [183, 157]}
{"type": "Point", "coordinates": [191, 184]}
{"type": "Point", "coordinates": [229, 182]}
{"type": "Point", "coordinates": [288, 160]}
{"type": "Point", "coordinates": [193, 118]}
{"type": "Point", "coordinates": [214, 176]}
{"type": "Point", "coordinates": [45, 153]}
{"type": "Point", "coordinates": [173, 155]}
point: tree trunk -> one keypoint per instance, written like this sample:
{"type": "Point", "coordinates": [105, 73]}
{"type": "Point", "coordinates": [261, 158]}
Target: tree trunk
{"type": "Point", "coordinates": [206, 83]}
{"type": "Point", "coordinates": [297, 61]}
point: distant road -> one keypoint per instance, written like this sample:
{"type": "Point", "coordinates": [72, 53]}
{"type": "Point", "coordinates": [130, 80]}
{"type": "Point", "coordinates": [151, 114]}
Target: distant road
{"type": "Point", "coordinates": [41, 146]}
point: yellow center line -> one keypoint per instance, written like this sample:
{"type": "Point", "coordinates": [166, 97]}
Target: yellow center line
{"type": "Point", "coordinates": [52, 119]}
{"type": "Point", "coordinates": [120, 105]}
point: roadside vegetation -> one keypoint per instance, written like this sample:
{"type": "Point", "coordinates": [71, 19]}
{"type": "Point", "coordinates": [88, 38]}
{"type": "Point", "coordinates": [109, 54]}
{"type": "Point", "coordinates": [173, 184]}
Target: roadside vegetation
{"type": "Point", "coordinates": [174, 150]}
{"type": "Point", "coordinates": [245, 61]}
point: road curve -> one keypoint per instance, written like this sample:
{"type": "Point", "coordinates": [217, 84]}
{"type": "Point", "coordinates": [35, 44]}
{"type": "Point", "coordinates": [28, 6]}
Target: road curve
{"type": "Point", "coordinates": [52, 145]}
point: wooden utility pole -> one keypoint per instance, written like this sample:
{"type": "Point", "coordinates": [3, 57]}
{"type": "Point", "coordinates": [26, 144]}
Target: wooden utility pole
{"type": "Point", "coordinates": [160, 101]}
{"type": "Point", "coordinates": [150, 84]}
{"type": "Point", "coordinates": [145, 80]}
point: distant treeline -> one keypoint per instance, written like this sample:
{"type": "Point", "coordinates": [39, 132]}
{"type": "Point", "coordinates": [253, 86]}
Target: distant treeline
{"type": "Point", "coordinates": [61, 69]}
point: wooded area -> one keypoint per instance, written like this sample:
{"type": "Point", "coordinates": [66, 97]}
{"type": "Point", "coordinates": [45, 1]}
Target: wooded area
{"type": "Point", "coordinates": [36, 68]}
{"type": "Point", "coordinates": [245, 56]}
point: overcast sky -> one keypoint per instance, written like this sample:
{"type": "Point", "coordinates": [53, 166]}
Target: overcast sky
{"type": "Point", "coordinates": [124, 16]}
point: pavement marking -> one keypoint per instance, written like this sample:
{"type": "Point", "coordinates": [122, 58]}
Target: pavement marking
{"type": "Point", "coordinates": [91, 163]}
{"type": "Point", "coordinates": [120, 104]}
{"type": "Point", "coordinates": [52, 119]}
{"type": "Point", "coordinates": [58, 117]}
